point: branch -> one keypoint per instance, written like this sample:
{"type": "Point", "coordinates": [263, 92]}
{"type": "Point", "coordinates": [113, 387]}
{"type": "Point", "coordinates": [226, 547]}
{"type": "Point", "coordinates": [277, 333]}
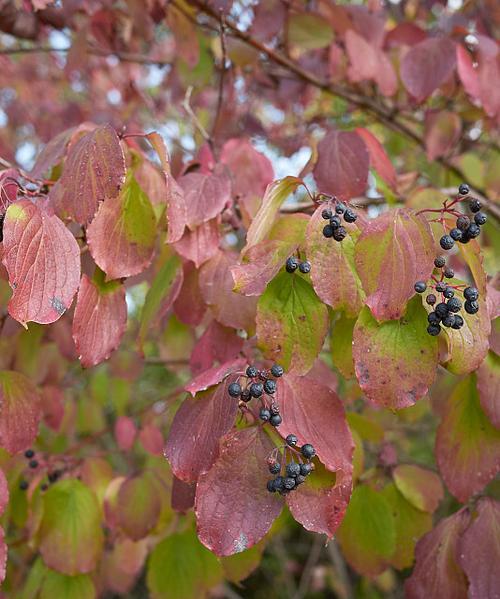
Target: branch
{"type": "Point", "coordinates": [383, 114]}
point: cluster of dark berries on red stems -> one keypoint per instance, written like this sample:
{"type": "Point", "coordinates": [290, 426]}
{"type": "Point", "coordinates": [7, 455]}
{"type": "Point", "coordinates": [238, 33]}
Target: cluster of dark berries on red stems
{"type": "Point", "coordinates": [446, 312]}
{"type": "Point", "coordinates": [293, 263]}
{"type": "Point", "coordinates": [467, 227]}
{"type": "Point", "coordinates": [335, 229]}
{"type": "Point", "coordinates": [33, 464]}
{"type": "Point", "coordinates": [261, 385]}
{"type": "Point", "coordinates": [291, 467]}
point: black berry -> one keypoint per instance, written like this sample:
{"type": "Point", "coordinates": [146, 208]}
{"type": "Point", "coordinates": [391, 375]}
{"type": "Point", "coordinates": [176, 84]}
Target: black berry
{"type": "Point", "coordinates": [471, 294]}
{"type": "Point", "coordinates": [454, 304]}
{"type": "Point", "coordinates": [234, 390]}
{"type": "Point", "coordinates": [449, 273]}
{"type": "Point", "coordinates": [33, 464]}
{"type": "Point", "coordinates": [327, 213]}
{"type": "Point", "coordinates": [335, 222]}
{"type": "Point", "coordinates": [459, 322]}
{"type": "Point", "coordinates": [440, 287]}
{"type": "Point", "coordinates": [256, 389]}
{"type": "Point", "coordinates": [480, 218]}
{"type": "Point", "coordinates": [308, 451]}
{"type": "Point", "coordinates": [264, 414]}
{"type": "Point", "coordinates": [456, 234]}
{"type": "Point", "coordinates": [431, 299]}
{"type": "Point", "coordinates": [305, 469]}
{"type": "Point", "coordinates": [449, 320]}
{"type": "Point", "coordinates": [29, 453]}
{"type": "Point", "coordinates": [275, 420]}
{"type": "Point", "coordinates": [271, 486]}
{"type": "Point", "coordinates": [328, 231]}
{"type": "Point", "coordinates": [350, 216]}
{"type": "Point", "coordinates": [339, 234]}
{"type": "Point", "coordinates": [270, 386]}
{"type": "Point", "coordinates": [278, 483]}
{"type": "Point", "coordinates": [475, 205]}
{"type": "Point", "coordinates": [471, 307]}
{"type": "Point", "coordinates": [23, 485]}
{"type": "Point", "coordinates": [448, 293]}
{"type": "Point", "coordinates": [463, 222]}
{"type": "Point", "coordinates": [305, 267]}
{"type": "Point", "coordinates": [433, 318]}
{"type": "Point", "coordinates": [439, 262]}
{"type": "Point", "coordinates": [252, 372]}
{"type": "Point", "coordinates": [463, 189]}
{"type": "Point", "coordinates": [446, 242]}
{"type": "Point", "coordinates": [473, 231]}
{"type": "Point", "coordinates": [274, 468]}
{"type": "Point", "coordinates": [291, 264]}
{"type": "Point", "coordinates": [293, 469]}
{"type": "Point", "coordinates": [299, 480]}
{"type": "Point", "coordinates": [441, 310]}
{"type": "Point", "coordinates": [291, 440]}
{"type": "Point", "coordinates": [420, 286]}
{"type": "Point", "coordinates": [245, 396]}
{"type": "Point", "coordinates": [340, 208]}
{"type": "Point", "coordinates": [277, 370]}
{"type": "Point", "coordinates": [289, 483]}
{"type": "Point", "coordinates": [433, 329]}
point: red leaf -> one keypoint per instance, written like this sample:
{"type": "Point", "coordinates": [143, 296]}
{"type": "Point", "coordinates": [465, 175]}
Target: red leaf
{"type": "Point", "coordinates": [316, 415]}
{"type": "Point", "coordinates": [436, 572]}
{"type": "Point", "coordinates": [189, 306]}
{"type": "Point", "coordinates": [100, 320]}
{"type": "Point", "coordinates": [342, 166]}
{"type": "Point", "coordinates": [200, 244]}
{"type": "Point", "coordinates": [216, 285]}
{"type": "Point", "coordinates": [320, 508]}
{"type": "Point", "coordinates": [8, 188]}
{"type": "Point", "coordinates": [404, 34]}
{"type": "Point", "coordinates": [479, 550]}
{"type": "Point", "coordinates": [442, 131]}
{"type": "Point", "coordinates": [182, 495]}
{"type": "Point", "coordinates": [370, 63]}
{"type": "Point", "coordinates": [94, 169]}
{"type": "Point", "coordinates": [467, 445]}
{"type": "Point", "coordinates": [138, 505]}
{"type": "Point", "coordinates": [488, 386]}
{"type": "Point", "coordinates": [378, 157]}
{"type": "Point", "coordinates": [151, 439]}
{"type": "Point", "coordinates": [233, 517]}
{"type": "Point", "coordinates": [393, 251]}
{"type": "Point", "coordinates": [52, 153]}
{"type": "Point", "coordinates": [193, 442]}
{"type": "Point", "coordinates": [428, 65]}
{"type": "Point", "coordinates": [205, 196]}
{"type": "Point", "coordinates": [43, 262]}
{"type": "Point", "coordinates": [467, 73]}
{"type": "Point", "coordinates": [213, 375]}
{"type": "Point", "coordinates": [52, 404]}
{"type": "Point", "coordinates": [125, 432]}
{"type": "Point", "coordinates": [217, 343]}
{"type": "Point", "coordinates": [20, 411]}
{"type": "Point", "coordinates": [4, 492]}
{"type": "Point", "coordinates": [122, 236]}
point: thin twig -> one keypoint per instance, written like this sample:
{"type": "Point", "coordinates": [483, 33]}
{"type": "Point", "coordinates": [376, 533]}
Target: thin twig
{"type": "Point", "coordinates": [220, 96]}
{"type": "Point", "coordinates": [340, 568]}
{"type": "Point", "coordinates": [187, 107]}
{"type": "Point", "coordinates": [311, 562]}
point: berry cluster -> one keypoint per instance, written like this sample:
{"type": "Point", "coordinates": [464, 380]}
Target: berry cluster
{"type": "Point", "coordinates": [33, 464]}
{"type": "Point", "coordinates": [446, 311]}
{"type": "Point", "coordinates": [334, 228]}
{"type": "Point", "coordinates": [293, 263]}
{"type": "Point", "coordinates": [467, 227]}
{"type": "Point", "coordinates": [261, 385]}
{"type": "Point", "coordinates": [290, 468]}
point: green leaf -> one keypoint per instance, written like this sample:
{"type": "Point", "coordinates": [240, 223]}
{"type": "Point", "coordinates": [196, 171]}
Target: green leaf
{"type": "Point", "coordinates": [71, 537]}
{"type": "Point", "coordinates": [159, 290]}
{"type": "Point", "coordinates": [239, 566]}
{"type": "Point", "coordinates": [180, 567]}
{"type": "Point", "coordinates": [467, 444]}
{"type": "Point", "coordinates": [69, 587]}
{"type": "Point", "coordinates": [421, 487]}
{"type": "Point", "coordinates": [396, 360]}
{"type": "Point", "coordinates": [276, 194]}
{"type": "Point", "coordinates": [139, 505]}
{"type": "Point", "coordinates": [309, 32]}
{"type": "Point", "coordinates": [341, 345]}
{"type": "Point", "coordinates": [367, 534]}
{"type": "Point", "coordinates": [291, 322]}
{"type": "Point", "coordinates": [410, 525]}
